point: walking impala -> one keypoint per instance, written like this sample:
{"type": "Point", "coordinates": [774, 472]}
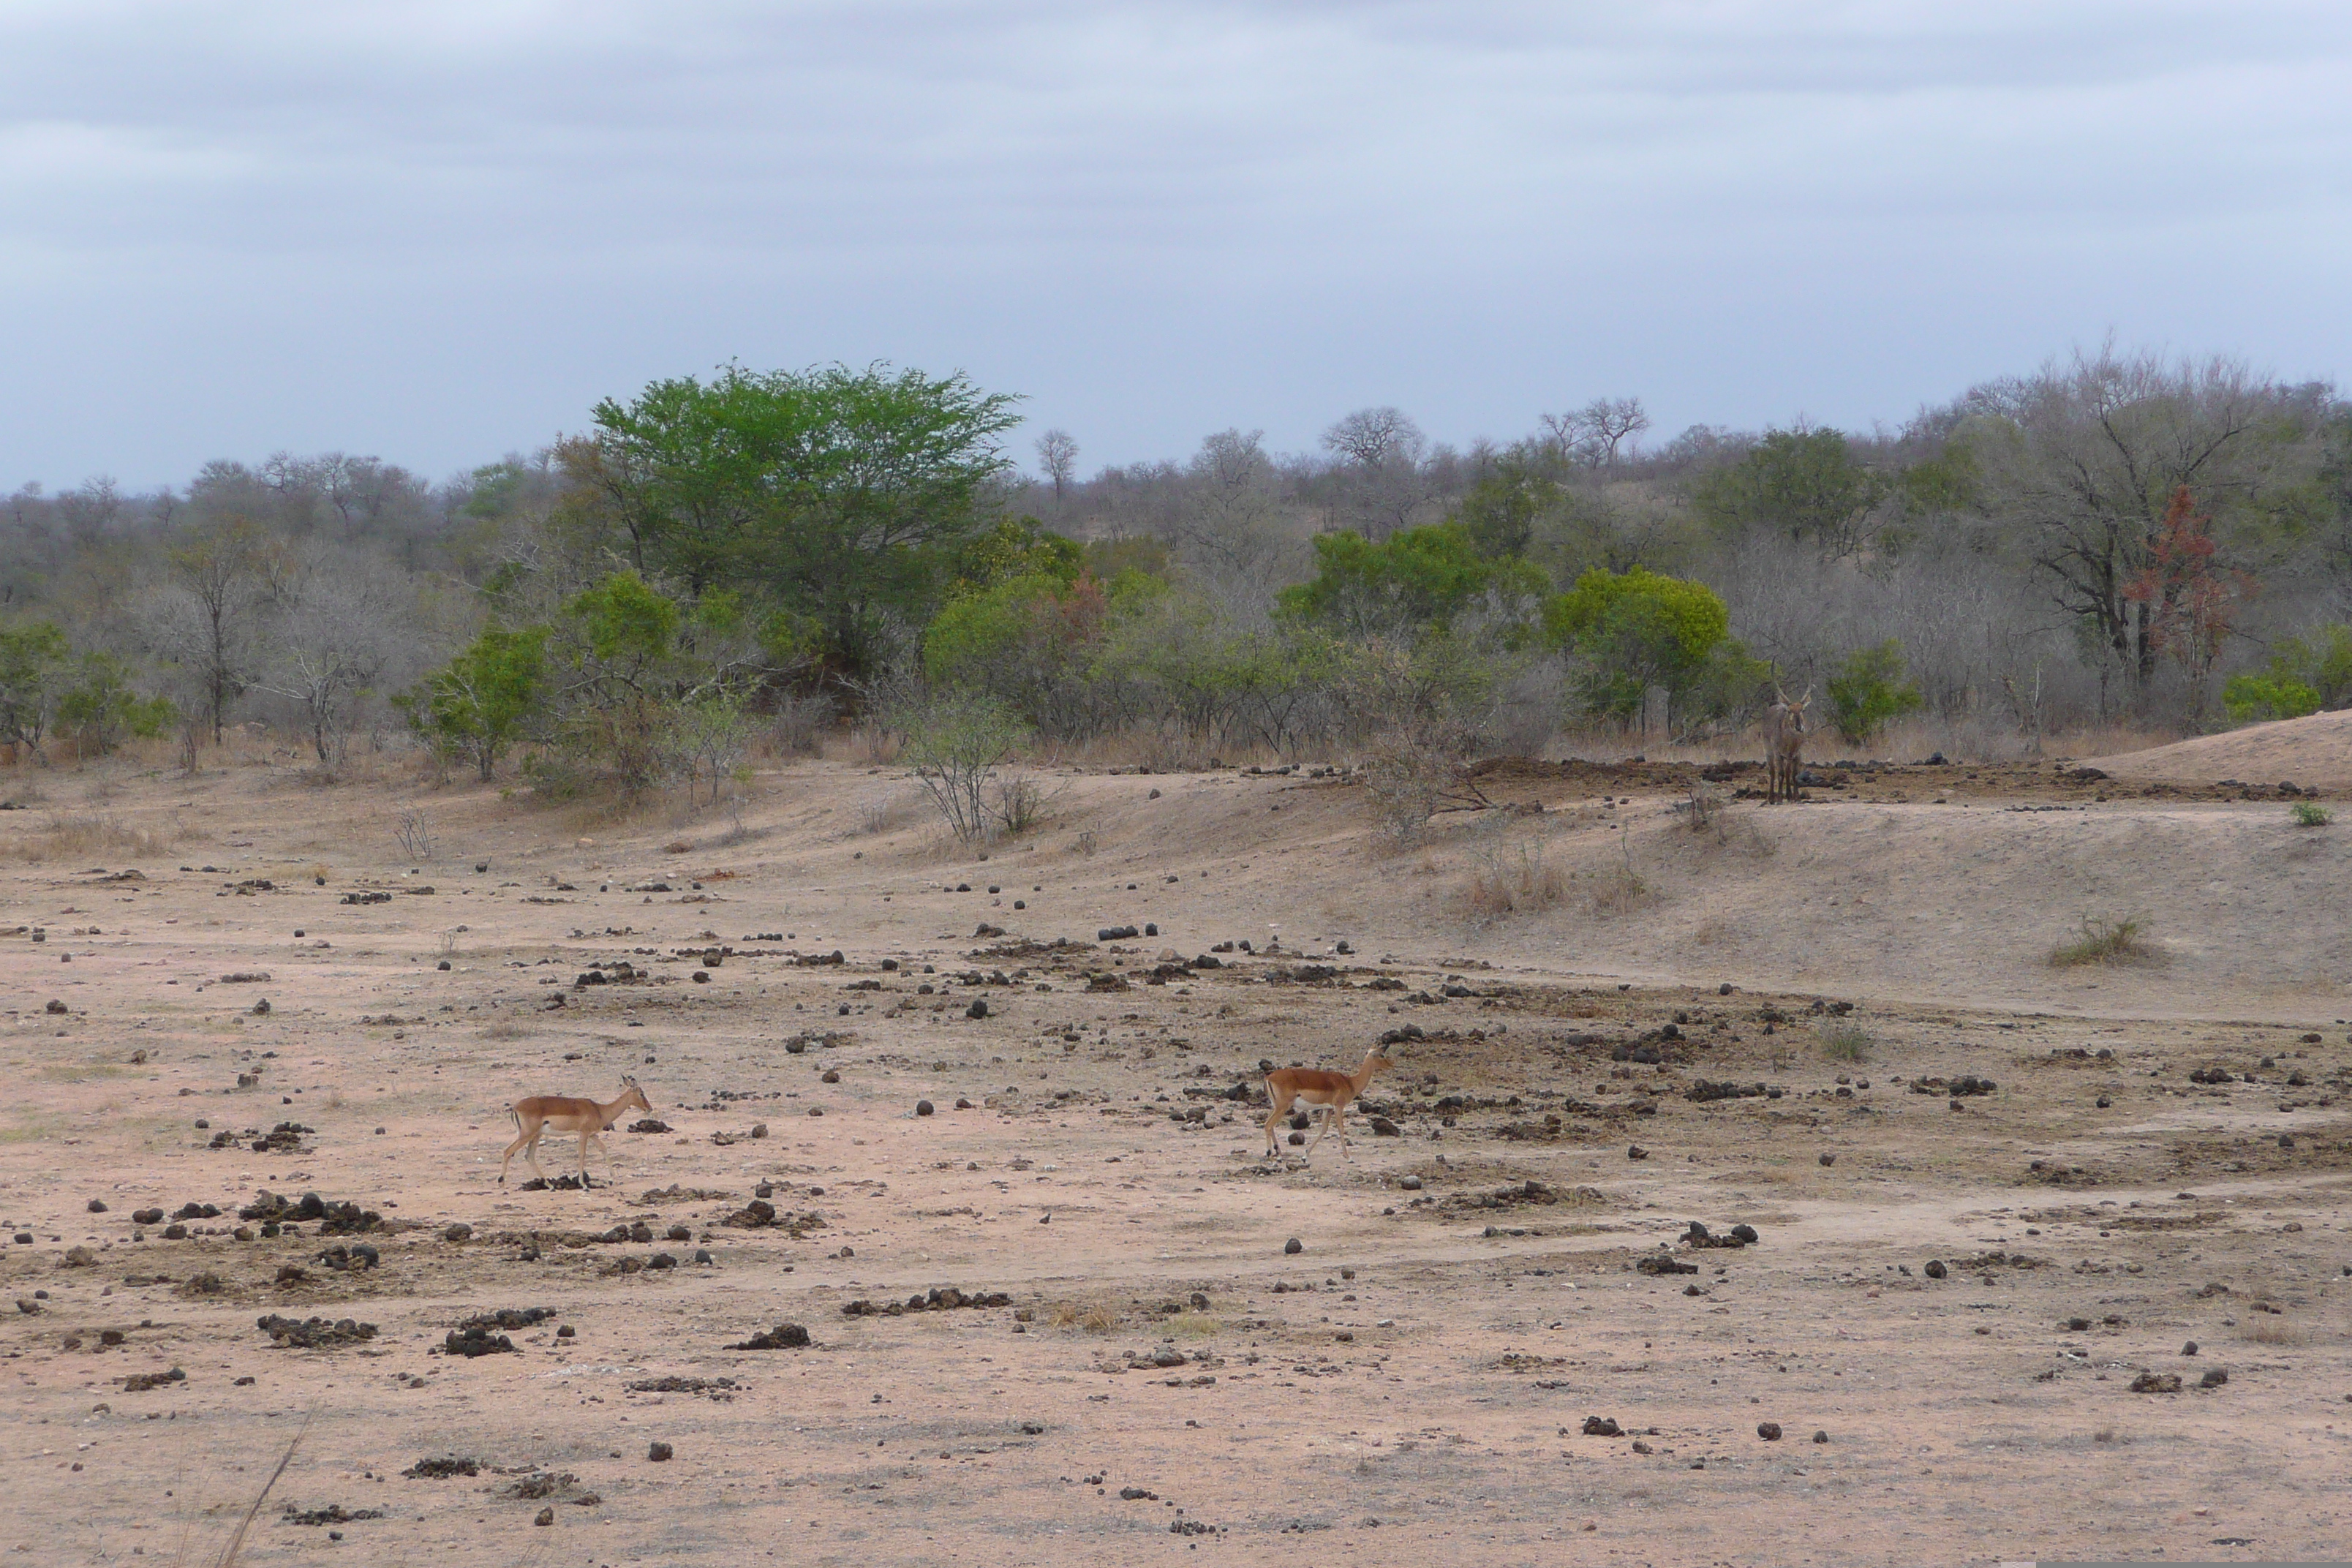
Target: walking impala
{"type": "Point", "coordinates": [1319, 1086]}
{"type": "Point", "coordinates": [560, 1113]}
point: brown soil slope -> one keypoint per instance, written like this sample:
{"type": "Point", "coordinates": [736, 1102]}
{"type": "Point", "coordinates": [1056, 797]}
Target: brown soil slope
{"type": "Point", "coordinates": [2314, 752]}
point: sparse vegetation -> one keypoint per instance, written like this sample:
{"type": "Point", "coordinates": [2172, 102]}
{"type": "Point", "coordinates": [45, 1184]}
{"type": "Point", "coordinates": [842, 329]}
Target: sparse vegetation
{"type": "Point", "coordinates": [414, 834]}
{"type": "Point", "coordinates": [1518, 881]}
{"type": "Point", "coordinates": [1617, 890]}
{"type": "Point", "coordinates": [2309, 814]}
{"type": "Point", "coordinates": [1846, 1043]}
{"type": "Point", "coordinates": [85, 836]}
{"type": "Point", "coordinates": [2103, 940]}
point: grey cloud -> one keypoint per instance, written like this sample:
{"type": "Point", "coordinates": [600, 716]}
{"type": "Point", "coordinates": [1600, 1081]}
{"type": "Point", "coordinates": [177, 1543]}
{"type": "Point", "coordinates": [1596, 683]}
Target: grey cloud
{"type": "Point", "coordinates": [1157, 219]}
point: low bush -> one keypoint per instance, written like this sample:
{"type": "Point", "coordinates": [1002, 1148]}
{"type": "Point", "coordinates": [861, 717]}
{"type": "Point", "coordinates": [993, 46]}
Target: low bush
{"type": "Point", "coordinates": [2102, 940]}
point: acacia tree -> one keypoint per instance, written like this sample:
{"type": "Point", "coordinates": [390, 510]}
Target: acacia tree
{"type": "Point", "coordinates": [833, 494]}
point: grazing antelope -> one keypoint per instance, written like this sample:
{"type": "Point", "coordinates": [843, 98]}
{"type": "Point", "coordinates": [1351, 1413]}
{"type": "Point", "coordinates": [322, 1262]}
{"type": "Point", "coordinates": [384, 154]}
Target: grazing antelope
{"type": "Point", "coordinates": [544, 1113]}
{"type": "Point", "coordinates": [1319, 1086]}
{"type": "Point", "coordinates": [1784, 745]}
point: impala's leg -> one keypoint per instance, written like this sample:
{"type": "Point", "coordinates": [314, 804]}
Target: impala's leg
{"type": "Point", "coordinates": [1340, 1125]}
{"type": "Point", "coordinates": [1330, 1112]}
{"type": "Point", "coordinates": [530, 1153]}
{"type": "Point", "coordinates": [521, 1140]}
{"type": "Point", "coordinates": [583, 1160]}
{"type": "Point", "coordinates": [1281, 1109]}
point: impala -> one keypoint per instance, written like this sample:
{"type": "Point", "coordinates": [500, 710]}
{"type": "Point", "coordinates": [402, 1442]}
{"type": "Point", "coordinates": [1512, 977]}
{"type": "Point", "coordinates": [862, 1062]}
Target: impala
{"type": "Point", "coordinates": [1319, 1086]}
{"type": "Point", "coordinates": [544, 1113]}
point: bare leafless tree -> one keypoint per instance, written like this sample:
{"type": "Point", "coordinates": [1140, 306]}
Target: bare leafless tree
{"type": "Point", "coordinates": [336, 626]}
{"type": "Point", "coordinates": [1058, 454]}
{"type": "Point", "coordinates": [2080, 460]}
{"type": "Point", "coordinates": [1596, 435]}
{"type": "Point", "coordinates": [204, 615]}
{"type": "Point", "coordinates": [1381, 452]}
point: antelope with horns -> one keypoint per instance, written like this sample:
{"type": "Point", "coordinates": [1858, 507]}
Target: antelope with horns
{"type": "Point", "coordinates": [1784, 745]}
{"type": "Point", "coordinates": [561, 1113]}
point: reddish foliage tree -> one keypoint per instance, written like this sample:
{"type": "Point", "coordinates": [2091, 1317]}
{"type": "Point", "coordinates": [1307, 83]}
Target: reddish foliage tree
{"type": "Point", "coordinates": [2190, 603]}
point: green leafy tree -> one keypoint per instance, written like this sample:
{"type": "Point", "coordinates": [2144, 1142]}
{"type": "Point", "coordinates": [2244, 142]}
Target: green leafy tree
{"type": "Point", "coordinates": [1805, 484]}
{"type": "Point", "coordinates": [2260, 696]}
{"type": "Point", "coordinates": [479, 703]}
{"type": "Point", "coordinates": [36, 669]}
{"type": "Point", "coordinates": [1503, 511]}
{"type": "Point", "coordinates": [1636, 631]}
{"type": "Point", "coordinates": [2304, 675]}
{"type": "Point", "coordinates": [1011, 548]}
{"type": "Point", "coordinates": [1416, 580]}
{"type": "Point", "coordinates": [842, 496]}
{"type": "Point", "coordinates": [1869, 692]}
{"type": "Point", "coordinates": [101, 706]}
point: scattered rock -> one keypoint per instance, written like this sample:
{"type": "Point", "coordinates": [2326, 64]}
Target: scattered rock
{"type": "Point", "coordinates": [659, 1453]}
{"type": "Point", "coordinates": [141, 1381]}
{"type": "Point", "coordinates": [97, 1205]}
{"type": "Point", "coordinates": [1603, 1426]}
{"type": "Point", "coordinates": [2157, 1382]}
{"type": "Point", "coordinates": [922, 1108]}
{"type": "Point", "coordinates": [2213, 1379]}
{"type": "Point", "coordinates": [1936, 1269]}
{"type": "Point", "coordinates": [1293, 1246]}
{"type": "Point", "coordinates": [332, 1514]}
{"type": "Point", "coordinates": [939, 1299]}
{"type": "Point", "coordinates": [1635, 1152]}
{"type": "Point", "coordinates": [314, 1333]}
{"type": "Point", "coordinates": [782, 1337]}
{"type": "Point", "coordinates": [442, 1469]}
{"type": "Point", "coordinates": [544, 1516]}
{"type": "Point", "coordinates": [1768, 1430]}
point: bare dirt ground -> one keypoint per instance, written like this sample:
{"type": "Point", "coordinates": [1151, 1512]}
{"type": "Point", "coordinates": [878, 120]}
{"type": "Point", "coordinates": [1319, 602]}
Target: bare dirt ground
{"type": "Point", "coordinates": [1987, 1193]}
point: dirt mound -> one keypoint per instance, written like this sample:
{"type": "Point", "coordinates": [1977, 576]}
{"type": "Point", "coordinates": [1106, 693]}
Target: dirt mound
{"type": "Point", "coordinates": [2315, 752]}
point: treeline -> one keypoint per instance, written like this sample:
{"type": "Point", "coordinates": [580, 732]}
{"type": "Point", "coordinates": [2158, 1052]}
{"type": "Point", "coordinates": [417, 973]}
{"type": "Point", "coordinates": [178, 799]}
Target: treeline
{"type": "Point", "coordinates": [721, 560]}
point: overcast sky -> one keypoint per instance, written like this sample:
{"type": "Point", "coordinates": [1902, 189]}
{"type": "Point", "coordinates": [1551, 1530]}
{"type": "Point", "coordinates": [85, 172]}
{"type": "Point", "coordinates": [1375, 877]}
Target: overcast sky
{"type": "Point", "coordinates": [438, 232]}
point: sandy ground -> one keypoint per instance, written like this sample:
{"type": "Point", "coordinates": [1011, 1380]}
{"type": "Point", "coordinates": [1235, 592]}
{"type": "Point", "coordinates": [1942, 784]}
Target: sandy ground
{"type": "Point", "coordinates": [1165, 1382]}
{"type": "Point", "coordinates": [2310, 751]}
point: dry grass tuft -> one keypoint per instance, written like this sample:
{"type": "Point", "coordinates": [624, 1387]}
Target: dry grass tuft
{"type": "Point", "coordinates": [1503, 885]}
{"type": "Point", "coordinates": [507, 1029]}
{"type": "Point", "coordinates": [1094, 1317]}
{"type": "Point", "coordinates": [84, 837]}
{"type": "Point", "coordinates": [2102, 940]}
{"type": "Point", "coordinates": [1846, 1043]}
{"type": "Point", "coordinates": [2270, 1329]}
{"type": "Point", "coordinates": [1618, 891]}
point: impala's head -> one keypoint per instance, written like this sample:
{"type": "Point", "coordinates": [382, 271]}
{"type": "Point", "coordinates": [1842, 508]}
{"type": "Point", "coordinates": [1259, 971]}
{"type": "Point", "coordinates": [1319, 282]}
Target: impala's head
{"type": "Point", "coordinates": [1378, 1061]}
{"type": "Point", "coordinates": [635, 1096]}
